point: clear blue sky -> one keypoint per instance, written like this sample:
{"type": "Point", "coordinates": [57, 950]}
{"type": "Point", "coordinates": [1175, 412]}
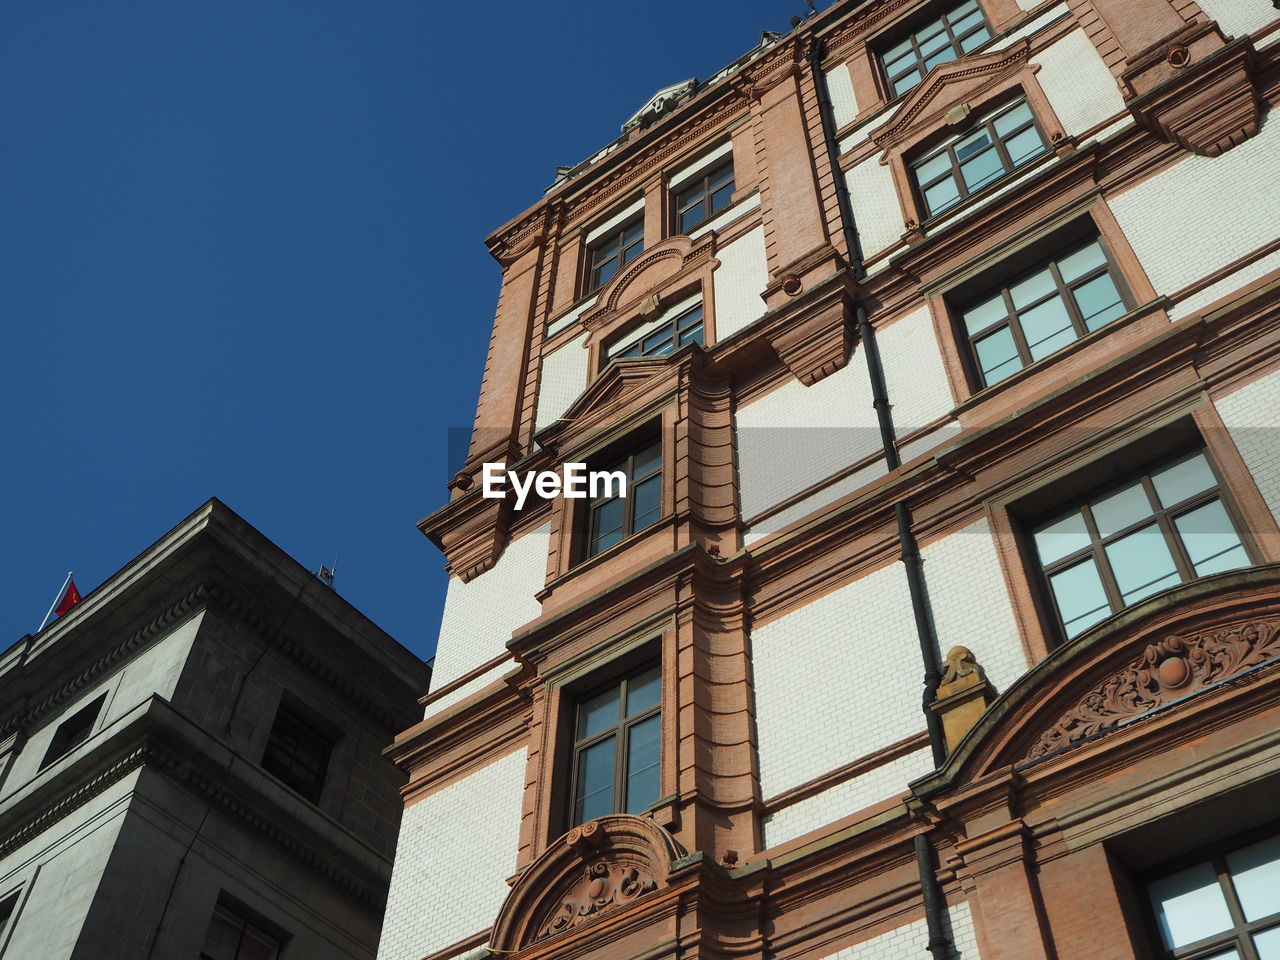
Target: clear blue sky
{"type": "Point", "coordinates": [241, 256]}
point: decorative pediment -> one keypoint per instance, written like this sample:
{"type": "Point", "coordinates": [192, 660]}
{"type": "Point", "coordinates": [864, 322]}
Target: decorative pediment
{"type": "Point", "coordinates": [591, 871]}
{"type": "Point", "coordinates": [619, 378]}
{"type": "Point", "coordinates": [660, 104]}
{"type": "Point", "coordinates": [648, 273]}
{"type": "Point", "coordinates": [946, 86]}
{"type": "Point", "coordinates": [1161, 654]}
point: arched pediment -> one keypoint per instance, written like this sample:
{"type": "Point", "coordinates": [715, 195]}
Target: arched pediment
{"type": "Point", "coordinates": [648, 273]}
{"type": "Point", "coordinates": [1170, 648]}
{"type": "Point", "coordinates": [947, 85]}
{"type": "Point", "coordinates": [593, 869]}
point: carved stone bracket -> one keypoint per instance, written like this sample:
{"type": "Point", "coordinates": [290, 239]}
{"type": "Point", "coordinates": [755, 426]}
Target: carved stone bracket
{"type": "Point", "coordinates": [817, 341]}
{"type": "Point", "coordinates": [591, 871]}
{"type": "Point", "coordinates": [1193, 91]}
{"type": "Point", "coordinates": [1168, 670]}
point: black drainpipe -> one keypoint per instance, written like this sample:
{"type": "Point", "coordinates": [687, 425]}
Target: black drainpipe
{"type": "Point", "coordinates": [939, 943]}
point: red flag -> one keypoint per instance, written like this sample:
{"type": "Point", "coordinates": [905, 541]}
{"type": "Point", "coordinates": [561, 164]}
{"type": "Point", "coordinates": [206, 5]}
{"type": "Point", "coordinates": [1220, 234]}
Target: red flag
{"type": "Point", "coordinates": [69, 599]}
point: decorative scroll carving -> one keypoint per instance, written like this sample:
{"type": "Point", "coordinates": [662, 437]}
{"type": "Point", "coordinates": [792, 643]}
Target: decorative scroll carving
{"type": "Point", "coordinates": [603, 885]}
{"type": "Point", "coordinates": [1168, 670]}
{"type": "Point", "coordinates": [592, 870]}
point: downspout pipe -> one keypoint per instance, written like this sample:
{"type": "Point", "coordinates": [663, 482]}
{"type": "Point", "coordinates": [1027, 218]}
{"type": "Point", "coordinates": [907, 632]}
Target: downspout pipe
{"type": "Point", "coordinates": [939, 946]}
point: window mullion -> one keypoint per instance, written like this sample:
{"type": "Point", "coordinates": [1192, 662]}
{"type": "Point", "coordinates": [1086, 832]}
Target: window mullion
{"type": "Point", "coordinates": [1015, 327]}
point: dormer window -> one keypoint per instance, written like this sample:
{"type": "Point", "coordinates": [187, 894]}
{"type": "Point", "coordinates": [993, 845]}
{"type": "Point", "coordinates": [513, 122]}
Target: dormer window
{"type": "Point", "coordinates": [702, 198]}
{"type": "Point", "coordinates": [959, 31]}
{"type": "Point", "coordinates": [612, 252]}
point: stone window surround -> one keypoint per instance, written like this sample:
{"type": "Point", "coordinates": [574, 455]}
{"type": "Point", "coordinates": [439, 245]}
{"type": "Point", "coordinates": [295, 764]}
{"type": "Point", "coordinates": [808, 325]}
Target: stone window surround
{"type": "Point", "coordinates": [1010, 518]}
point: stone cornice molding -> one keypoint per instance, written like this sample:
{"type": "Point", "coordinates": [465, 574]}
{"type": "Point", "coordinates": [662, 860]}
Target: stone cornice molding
{"type": "Point", "coordinates": [152, 739]}
{"type": "Point", "coordinates": [594, 869]}
{"type": "Point", "coordinates": [23, 719]}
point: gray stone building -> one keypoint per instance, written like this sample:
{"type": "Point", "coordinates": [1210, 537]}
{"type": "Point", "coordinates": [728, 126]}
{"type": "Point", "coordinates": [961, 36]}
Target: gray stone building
{"type": "Point", "coordinates": [191, 762]}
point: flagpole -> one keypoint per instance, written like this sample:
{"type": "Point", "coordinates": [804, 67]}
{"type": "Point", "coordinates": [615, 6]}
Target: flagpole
{"type": "Point", "coordinates": [61, 590]}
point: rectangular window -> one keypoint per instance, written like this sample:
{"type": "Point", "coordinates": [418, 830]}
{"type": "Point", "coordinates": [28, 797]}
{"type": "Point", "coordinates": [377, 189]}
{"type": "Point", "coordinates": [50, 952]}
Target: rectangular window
{"type": "Point", "coordinates": [612, 517]}
{"type": "Point", "coordinates": [705, 196]}
{"type": "Point", "coordinates": [73, 731]}
{"type": "Point", "coordinates": [1226, 906]}
{"type": "Point", "coordinates": [1167, 526]}
{"type": "Point", "coordinates": [998, 144]}
{"type": "Point", "coordinates": [611, 253]}
{"type": "Point", "coordinates": [959, 31]}
{"type": "Point", "coordinates": [684, 329]}
{"type": "Point", "coordinates": [1041, 311]}
{"type": "Point", "coordinates": [298, 753]}
{"type": "Point", "coordinates": [233, 937]}
{"type": "Point", "coordinates": [617, 747]}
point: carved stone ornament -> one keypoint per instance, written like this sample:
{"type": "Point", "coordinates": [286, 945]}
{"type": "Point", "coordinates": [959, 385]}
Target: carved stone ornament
{"type": "Point", "coordinates": [603, 885]}
{"type": "Point", "coordinates": [590, 872]}
{"type": "Point", "coordinates": [1168, 670]}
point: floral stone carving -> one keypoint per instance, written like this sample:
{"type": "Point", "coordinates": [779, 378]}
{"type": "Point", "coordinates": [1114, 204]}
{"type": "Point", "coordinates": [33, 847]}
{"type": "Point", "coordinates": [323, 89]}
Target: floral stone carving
{"type": "Point", "coordinates": [1168, 670]}
{"type": "Point", "coordinates": [603, 885]}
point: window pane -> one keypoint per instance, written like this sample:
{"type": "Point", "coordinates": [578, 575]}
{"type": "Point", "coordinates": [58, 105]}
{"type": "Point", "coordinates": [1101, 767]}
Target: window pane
{"type": "Point", "coordinates": [657, 344]}
{"type": "Point", "coordinates": [1268, 944]}
{"type": "Point", "coordinates": [604, 273]}
{"type": "Point", "coordinates": [648, 459]}
{"type": "Point", "coordinates": [1121, 509]}
{"type": "Point", "coordinates": [972, 144]}
{"type": "Point", "coordinates": [648, 502]}
{"type": "Point", "coordinates": [942, 56]}
{"type": "Point", "coordinates": [1142, 564]}
{"type": "Point", "coordinates": [595, 780]}
{"type": "Point", "coordinates": [983, 169]}
{"type": "Point", "coordinates": [932, 39]}
{"type": "Point", "coordinates": [1010, 120]}
{"type": "Point", "coordinates": [1183, 479]}
{"type": "Point", "coordinates": [1255, 871]}
{"type": "Point", "coordinates": [643, 754]}
{"type": "Point", "coordinates": [1081, 599]}
{"type": "Point", "coordinates": [941, 196]}
{"type": "Point", "coordinates": [256, 945]}
{"type": "Point", "coordinates": [223, 936]}
{"type": "Point", "coordinates": [978, 318]}
{"type": "Point", "coordinates": [1189, 906]}
{"type": "Point", "coordinates": [932, 169]}
{"type": "Point", "coordinates": [721, 198]}
{"type": "Point", "coordinates": [898, 51]}
{"type": "Point", "coordinates": [608, 516]}
{"type": "Point", "coordinates": [1024, 146]}
{"type": "Point", "coordinates": [1033, 288]}
{"type": "Point", "coordinates": [644, 691]}
{"type": "Point", "coordinates": [1211, 540]}
{"type": "Point", "coordinates": [974, 40]}
{"type": "Point", "coordinates": [906, 82]}
{"type": "Point", "coordinates": [693, 335]}
{"type": "Point", "coordinates": [964, 24]}
{"type": "Point", "coordinates": [633, 251]}
{"type": "Point", "coordinates": [1081, 262]}
{"type": "Point", "coordinates": [1061, 538]}
{"type": "Point", "coordinates": [689, 319]}
{"type": "Point", "coordinates": [1099, 301]}
{"type": "Point", "coordinates": [998, 356]}
{"type": "Point", "coordinates": [1047, 328]}
{"type": "Point", "coordinates": [691, 218]}
{"type": "Point", "coordinates": [598, 714]}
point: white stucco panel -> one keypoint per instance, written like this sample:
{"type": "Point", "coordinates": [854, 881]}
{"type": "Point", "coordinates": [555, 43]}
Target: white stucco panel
{"type": "Point", "coordinates": [913, 371]}
{"type": "Point", "coordinates": [796, 436]}
{"type": "Point", "coordinates": [456, 850]}
{"type": "Point", "coordinates": [876, 211]}
{"type": "Point", "coordinates": [1203, 212]}
{"type": "Point", "coordinates": [738, 283]}
{"type": "Point", "coordinates": [911, 941]}
{"type": "Point", "coordinates": [836, 679]}
{"type": "Point", "coordinates": [1252, 418]}
{"type": "Point", "coordinates": [480, 616]}
{"type": "Point", "coordinates": [1078, 83]}
{"type": "Point", "coordinates": [1239, 17]}
{"type": "Point", "coordinates": [564, 377]}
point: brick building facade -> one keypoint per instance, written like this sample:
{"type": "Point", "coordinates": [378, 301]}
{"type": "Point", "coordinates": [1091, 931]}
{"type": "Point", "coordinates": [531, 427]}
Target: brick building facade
{"type": "Point", "coordinates": [940, 343]}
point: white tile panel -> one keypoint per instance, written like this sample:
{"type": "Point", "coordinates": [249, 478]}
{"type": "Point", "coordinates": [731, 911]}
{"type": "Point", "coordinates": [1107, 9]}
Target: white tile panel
{"type": "Point", "coordinates": [564, 377]}
{"type": "Point", "coordinates": [911, 941]}
{"type": "Point", "coordinates": [738, 283]}
{"type": "Point", "coordinates": [1252, 417]}
{"type": "Point", "coordinates": [844, 104]}
{"type": "Point", "coordinates": [876, 212]}
{"type": "Point", "coordinates": [1078, 84]}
